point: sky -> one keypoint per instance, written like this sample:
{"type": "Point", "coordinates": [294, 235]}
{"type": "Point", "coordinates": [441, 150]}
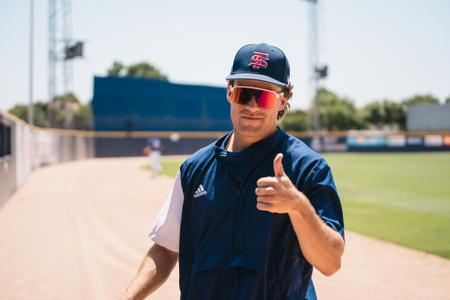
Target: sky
{"type": "Point", "coordinates": [374, 49]}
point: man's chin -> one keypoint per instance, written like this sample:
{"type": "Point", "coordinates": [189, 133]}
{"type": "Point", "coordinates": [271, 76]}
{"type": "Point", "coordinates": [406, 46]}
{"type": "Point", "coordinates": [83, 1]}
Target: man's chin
{"type": "Point", "coordinates": [249, 122]}
{"type": "Point", "coordinates": [249, 129]}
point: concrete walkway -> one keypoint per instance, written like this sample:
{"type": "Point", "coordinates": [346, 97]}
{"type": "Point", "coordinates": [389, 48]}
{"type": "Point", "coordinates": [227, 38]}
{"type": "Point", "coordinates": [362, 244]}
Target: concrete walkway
{"type": "Point", "coordinates": [79, 230]}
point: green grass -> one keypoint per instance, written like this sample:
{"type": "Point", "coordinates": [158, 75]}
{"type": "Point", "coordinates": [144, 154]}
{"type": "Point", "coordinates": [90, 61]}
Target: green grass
{"type": "Point", "coordinates": [169, 164]}
{"type": "Point", "coordinates": [403, 197]}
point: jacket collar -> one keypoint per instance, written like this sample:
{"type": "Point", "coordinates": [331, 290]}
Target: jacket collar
{"type": "Point", "coordinates": [254, 152]}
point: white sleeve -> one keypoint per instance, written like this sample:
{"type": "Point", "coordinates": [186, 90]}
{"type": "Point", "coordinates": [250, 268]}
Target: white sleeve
{"type": "Point", "coordinates": [166, 228]}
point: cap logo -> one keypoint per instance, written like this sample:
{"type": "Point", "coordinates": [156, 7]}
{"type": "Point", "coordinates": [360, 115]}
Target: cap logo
{"type": "Point", "coordinates": [259, 60]}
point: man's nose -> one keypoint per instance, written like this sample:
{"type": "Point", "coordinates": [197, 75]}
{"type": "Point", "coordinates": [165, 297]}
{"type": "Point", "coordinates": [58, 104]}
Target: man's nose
{"type": "Point", "coordinates": [252, 103]}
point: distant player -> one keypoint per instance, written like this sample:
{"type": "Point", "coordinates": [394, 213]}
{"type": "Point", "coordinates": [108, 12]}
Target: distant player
{"type": "Point", "coordinates": [250, 215]}
{"type": "Point", "coordinates": [153, 151]}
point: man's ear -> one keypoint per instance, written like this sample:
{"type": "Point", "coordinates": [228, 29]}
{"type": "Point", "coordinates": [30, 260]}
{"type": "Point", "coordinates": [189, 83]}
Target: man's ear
{"type": "Point", "coordinates": [283, 102]}
{"type": "Point", "coordinates": [228, 93]}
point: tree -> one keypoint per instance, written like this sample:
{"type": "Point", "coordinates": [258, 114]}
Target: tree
{"type": "Point", "coordinates": [296, 120]}
{"type": "Point", "coordinates": [64, 111]}
{"type": "Point", "coordinates": [83, 117]}
{"type": "Point", "coordinates": [117, 69]}
{"type": "Point", "coordinates": [384, 113]}
{"type": "Point", "coordinates": [373, 113]}
{"type": "Point", "coordinates": [142, 69]}
{"type": "Point", "coordinates": [393, 112]}
{"type": "Point", "coordinates": [447, 101]}
{"type": "Point", "coordinates": [39, 113]}
{"type": "Point", "coordinates": [20, 111]}
{"type": "Point", "coordinates": [420, 99]}
{"type": "Point", "coordinates": [336, 113]}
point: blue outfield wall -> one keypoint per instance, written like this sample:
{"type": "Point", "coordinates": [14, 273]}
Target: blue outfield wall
{"type": "Point", "coordinates": [139, 104]}
{"type": "Point", "coordinates": [119, 147]}
{"type": "Point", "coordinates": [127, 110]}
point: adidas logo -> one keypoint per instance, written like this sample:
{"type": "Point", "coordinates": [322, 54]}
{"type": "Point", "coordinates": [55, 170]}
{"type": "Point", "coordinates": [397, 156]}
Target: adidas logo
{"type": "Point", "coordinates": [200, 191]}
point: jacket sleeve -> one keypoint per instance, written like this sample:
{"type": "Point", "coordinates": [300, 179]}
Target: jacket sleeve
{"type": "Point", "coordinates": [321, 190]}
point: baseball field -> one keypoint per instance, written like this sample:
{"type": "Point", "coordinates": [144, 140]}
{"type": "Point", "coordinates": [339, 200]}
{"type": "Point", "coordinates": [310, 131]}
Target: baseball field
{"type": "Point", "coordinates": [83, 236]}
{"type": "Point", "coordinates": [403, 198]}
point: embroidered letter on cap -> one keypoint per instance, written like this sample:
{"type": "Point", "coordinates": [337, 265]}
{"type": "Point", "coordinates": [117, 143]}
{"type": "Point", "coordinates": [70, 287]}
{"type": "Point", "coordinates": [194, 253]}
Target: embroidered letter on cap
{"type": "Point", "coordinates": [259, 60]}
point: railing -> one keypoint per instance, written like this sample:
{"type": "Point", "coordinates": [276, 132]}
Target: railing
{"type": "Point", "coordinates": [24, 148]}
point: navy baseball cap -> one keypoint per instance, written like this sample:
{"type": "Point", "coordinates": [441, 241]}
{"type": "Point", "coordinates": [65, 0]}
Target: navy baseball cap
{"type": "Point", "coordinates": [261, 62]}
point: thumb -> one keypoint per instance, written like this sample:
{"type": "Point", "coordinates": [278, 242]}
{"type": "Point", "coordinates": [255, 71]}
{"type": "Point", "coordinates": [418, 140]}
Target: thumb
{"type": "Point", "coordinates": [278, 166]}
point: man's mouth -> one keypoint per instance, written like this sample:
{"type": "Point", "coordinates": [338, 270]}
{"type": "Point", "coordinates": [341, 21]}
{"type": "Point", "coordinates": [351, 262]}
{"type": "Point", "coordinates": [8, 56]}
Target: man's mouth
{"type": "Point", "coordinates": [251, 117]}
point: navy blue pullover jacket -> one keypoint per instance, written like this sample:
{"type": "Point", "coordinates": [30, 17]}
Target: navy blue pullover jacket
{"type": "Point", "coordinates": [231, 250]}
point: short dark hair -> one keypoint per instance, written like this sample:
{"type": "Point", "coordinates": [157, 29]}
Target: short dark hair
{"type": "Point", "coordinates": [288, 95]}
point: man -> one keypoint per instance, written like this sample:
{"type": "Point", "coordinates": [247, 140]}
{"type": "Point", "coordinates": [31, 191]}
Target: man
{"type": "Point", "coordinates": [153, 151]}
{"type": "Point", "coordinates": [250, 214]}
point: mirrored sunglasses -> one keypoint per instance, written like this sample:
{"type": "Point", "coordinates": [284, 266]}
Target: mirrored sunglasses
{"type": "Point", "coordinates": [264, 98]}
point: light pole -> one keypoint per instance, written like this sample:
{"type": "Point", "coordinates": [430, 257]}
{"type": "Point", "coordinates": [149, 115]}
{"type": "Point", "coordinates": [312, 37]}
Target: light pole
{"type": "Point", "coordinates": [61, 51]}
{"type": "Point", "coordinates": [318, 71]}
{"type": "Point", "coordinates": [30, 88]}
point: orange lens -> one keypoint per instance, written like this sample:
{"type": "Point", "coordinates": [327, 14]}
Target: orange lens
{"type": "Point", "coordinates": [264, 98]}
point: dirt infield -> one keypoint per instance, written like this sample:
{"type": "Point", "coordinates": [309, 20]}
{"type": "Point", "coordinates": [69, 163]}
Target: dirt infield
{"type": "Point", "coordinates": [79, 230]}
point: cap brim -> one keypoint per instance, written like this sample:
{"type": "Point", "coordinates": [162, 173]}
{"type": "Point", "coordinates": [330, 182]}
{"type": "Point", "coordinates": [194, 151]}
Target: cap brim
{"type": "Point", "coordinates": [252, 76]}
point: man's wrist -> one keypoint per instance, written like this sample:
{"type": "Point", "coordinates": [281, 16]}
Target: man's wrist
{"type": "Point", "coordinates": [300, 204]}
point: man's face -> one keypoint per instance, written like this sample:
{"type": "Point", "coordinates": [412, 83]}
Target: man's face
{"type": "Point", "coordinates": [249, 119]}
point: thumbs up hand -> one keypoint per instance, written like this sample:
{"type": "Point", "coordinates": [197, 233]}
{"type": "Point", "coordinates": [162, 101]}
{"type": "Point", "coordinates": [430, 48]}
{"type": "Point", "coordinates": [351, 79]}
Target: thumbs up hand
{"type": "Point", "coordinates": [277, 194]}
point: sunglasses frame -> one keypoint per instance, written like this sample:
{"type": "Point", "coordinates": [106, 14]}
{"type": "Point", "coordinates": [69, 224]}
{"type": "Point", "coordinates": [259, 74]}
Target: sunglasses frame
{"type": "Point", "coordinates": [279, 95]}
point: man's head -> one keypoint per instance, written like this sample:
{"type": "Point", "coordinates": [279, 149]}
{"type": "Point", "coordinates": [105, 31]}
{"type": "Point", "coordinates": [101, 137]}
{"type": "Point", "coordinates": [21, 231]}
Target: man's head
{"type": "Point", "coordinates": [258, 88]}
